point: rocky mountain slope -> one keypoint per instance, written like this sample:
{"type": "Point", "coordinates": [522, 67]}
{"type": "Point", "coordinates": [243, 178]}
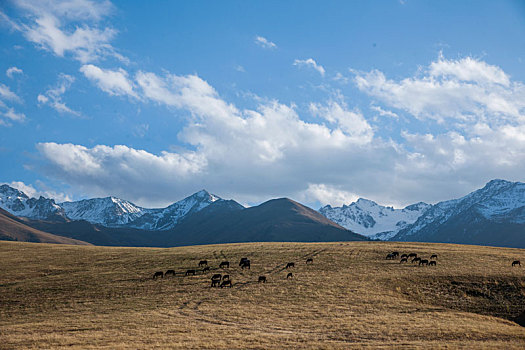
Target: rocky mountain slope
{"type": "Point", "coordinates": [370, 219]}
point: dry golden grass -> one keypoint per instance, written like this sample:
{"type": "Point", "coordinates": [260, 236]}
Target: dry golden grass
{"type": "Point", "coordinates": [54, 296]}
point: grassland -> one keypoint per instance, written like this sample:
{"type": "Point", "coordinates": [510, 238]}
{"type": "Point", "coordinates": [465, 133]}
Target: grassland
{"type": "Point", "coordinates": [85, 297]}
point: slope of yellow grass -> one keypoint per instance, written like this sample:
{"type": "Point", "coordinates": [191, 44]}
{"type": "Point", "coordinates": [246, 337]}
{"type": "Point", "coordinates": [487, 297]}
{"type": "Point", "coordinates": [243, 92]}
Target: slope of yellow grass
{"type": "Point", "coordinates": [84, 297]}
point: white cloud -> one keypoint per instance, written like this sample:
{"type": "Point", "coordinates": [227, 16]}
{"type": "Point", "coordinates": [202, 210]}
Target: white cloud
{"type": "Point", "coordinates": [384, 113]}
{"type": "Point", "coordinates": [31, 192]}
{"type": "Point", "coordinates": [114, 82]}
{"type": "Point", "coordinates": [67, 27]}
{"type": "Point", "coordinates": [310, 62]}
{"type": "Point", "coordinates": [327, 195]}
{"type": "Point", "coordinates": [7, 94]}
{"type": "Point", "coordinates": [466, 89]}
{"type": "Point", "coordinates": [256, 154]}
{"type": "Point", "coordinates": [265, 43]}
{"type": "Point", "coordinates": [53, 96]}
{"type": "Point", "coordinates": [14, 116]}
{"type": "Point", "coordinates": [12, 71]}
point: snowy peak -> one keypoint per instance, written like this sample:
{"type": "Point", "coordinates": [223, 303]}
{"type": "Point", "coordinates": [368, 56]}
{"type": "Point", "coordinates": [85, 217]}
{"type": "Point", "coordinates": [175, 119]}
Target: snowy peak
{"type": "Point", "coordinates": [18, 203]}
{"type": "Point", "coordinates": [108, 211]}
{"type": "Point", "coordinates": [368, 218]}
{"type": "Point", "coordinates": [167, 218]}
{"type": "Point", "coordinates": [499, 201]}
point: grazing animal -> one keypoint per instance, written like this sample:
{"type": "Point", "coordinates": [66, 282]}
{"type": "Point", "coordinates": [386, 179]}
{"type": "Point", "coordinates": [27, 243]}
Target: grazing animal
{"type": "Point", "coordinates": [158, 274]}
{"type": "Point", "coordinates": [389, 256]}
{"type": "Point", "coordinates": [415, 260]}
{"type": "Point", "coordinates": [203, 263]}
{"type": "Point", "coordinates": [206, 269]}
{"type": "Point", "coordinates": [227, 283]}
{"type": "Point", "coordinates": [403, 260]}
{"type": "Point", "coordinates": [395, 254]}
{"type": "Point", "coordinates": [262, 279]}
{"type": "Point", "coordinates": [290, 264]}
{"type": "Point", "coordinates": [216, 280]}
{"type": "Point", "coordinates": [190, 272]}
{"type": "Point", "coordinates": [404, 256]}
{"type": "Point", "coordinates": [225, 277]}
{"type": "Point", "coordinates": [289, 275]}
{"type": "Point", "coordinates": [224, 264]}
{"type": "Point", "coordinates": [432, 263]}
{"type": "Point", "coordinates": [423, 262]}
{"type": "Point", "coordinates": [246, 264]}
{"type": "Point", "coordinates": [309, 260]}
{"type": "Point", "coordinates": [412, 255]}
{"type": "Point", "coordinates": [516, 262]}
{"type": "Point", "coordinates": [170, 272]}
{"type": "Point", "coordinates": [433, 256]}
{"type": "Point", "coordinates": [242, 261]}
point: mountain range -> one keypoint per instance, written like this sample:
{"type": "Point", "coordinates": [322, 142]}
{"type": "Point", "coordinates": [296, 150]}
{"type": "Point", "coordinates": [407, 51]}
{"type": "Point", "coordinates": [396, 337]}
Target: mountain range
{"type": "Point", "coordinates": [201, 218]}
{"type": "Point", "coordinates": [493, 215]}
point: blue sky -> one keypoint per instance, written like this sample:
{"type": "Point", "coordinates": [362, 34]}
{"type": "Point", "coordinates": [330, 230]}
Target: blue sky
{"type": "Point", "coordinates": [395, 101]}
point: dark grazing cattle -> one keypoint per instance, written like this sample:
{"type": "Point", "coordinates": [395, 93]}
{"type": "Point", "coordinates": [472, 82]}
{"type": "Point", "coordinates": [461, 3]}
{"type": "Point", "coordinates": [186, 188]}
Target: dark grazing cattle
{"type": "Point", "coordinates": [395, 254]}
{"type": "Point", "coordinates": [158, 274]}
{"type": "Point", "coordinates": [309, 261]}
{"type": "Point", "coordinates": [404, 256]}
{"type": "Point", "coordinates": [216, 280]}
{"type": "Point", "coordinates": [242, 261]}
{"type": "Point", "coordinates": [170, 272]}
{"type": "Point", "coordinates": [225, 277]}
{"type": "Point", "coordinates": [415, 260]}
{"type": "Point", "coordinates": [190, 272]}
{"type": "Point", "coordinates": [262, 279]}
{"type": "Point", "coordinates": [206, 269]}
{"type": "Point", "coordinates": [390, 256]}
{"type": "Point", "coordinates": [290, 264]}
{"type": "Point", "coordinates": [423, 262]}
{"type": "Point", "coordinates": [432, 263]}
{"type": "Point", "coordinates": [246, 265]}
{"type": "Point", "coordinates": [516, 263]}
{"type": "Point", "coordinates": [227, 283]}
{"type": "Point", "coordinates": [412, 255]}
{"type": "Point", "coordinates": [203, 263]}
{"type": "Point", "coordinates": [289, 275]}
{"type": "Point", "coordinates": [433, 256]}
{"type": "Point", "coordinates": [403, 260]}
{"type": "Point", "coordinates": [224, 264]}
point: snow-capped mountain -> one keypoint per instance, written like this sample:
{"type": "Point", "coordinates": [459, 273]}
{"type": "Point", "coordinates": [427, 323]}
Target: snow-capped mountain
{"type": "Point", "coordinates": [167, 218]}
{"type": "Point", "coordinates": [370, 219]}
{"type": "Point", "coordinates": [490, 215]}
{"type": "Point", "coordinates": [18, 203]}
{"type": "Point", "coordinates": [109, 211]}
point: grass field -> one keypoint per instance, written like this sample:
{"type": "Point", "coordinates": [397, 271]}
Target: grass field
{"type": "Point", "coordinates": [86, 297]}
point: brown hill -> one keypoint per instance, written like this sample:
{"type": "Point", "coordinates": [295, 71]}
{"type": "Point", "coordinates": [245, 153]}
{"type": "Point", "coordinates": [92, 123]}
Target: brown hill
{"type": "Point", "coordinates": [14, 229]}
{"type": "Point", "coordinates": [277, 220]}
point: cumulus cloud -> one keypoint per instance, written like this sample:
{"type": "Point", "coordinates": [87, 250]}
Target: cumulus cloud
{"type": "Point", "coordinates": [265, 43]}
{"type": "Point", "coordinates": [255, 154]}
{"type": "Point", "coordinates": [465, 89]}
{"type": "Point", "coordinates": [11, 71]}
{"type": "Point", "coordinates": [114, 82]}
{"type": "Point", "coordinates": [67, 27]}
{"type": "Point", "coordinates": [53, 96]}
{"type": "Point", "coordinates": [310, 62]}
{"type": "Point", "coordinates": [31, 192]}
{"type": "Point", "coordinates": [327, 195]}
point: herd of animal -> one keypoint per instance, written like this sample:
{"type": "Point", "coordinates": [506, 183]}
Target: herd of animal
{"type": "Point", "coordinates": [222, 281]}
{"type": "Point", "coordinates": [414, 259]}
